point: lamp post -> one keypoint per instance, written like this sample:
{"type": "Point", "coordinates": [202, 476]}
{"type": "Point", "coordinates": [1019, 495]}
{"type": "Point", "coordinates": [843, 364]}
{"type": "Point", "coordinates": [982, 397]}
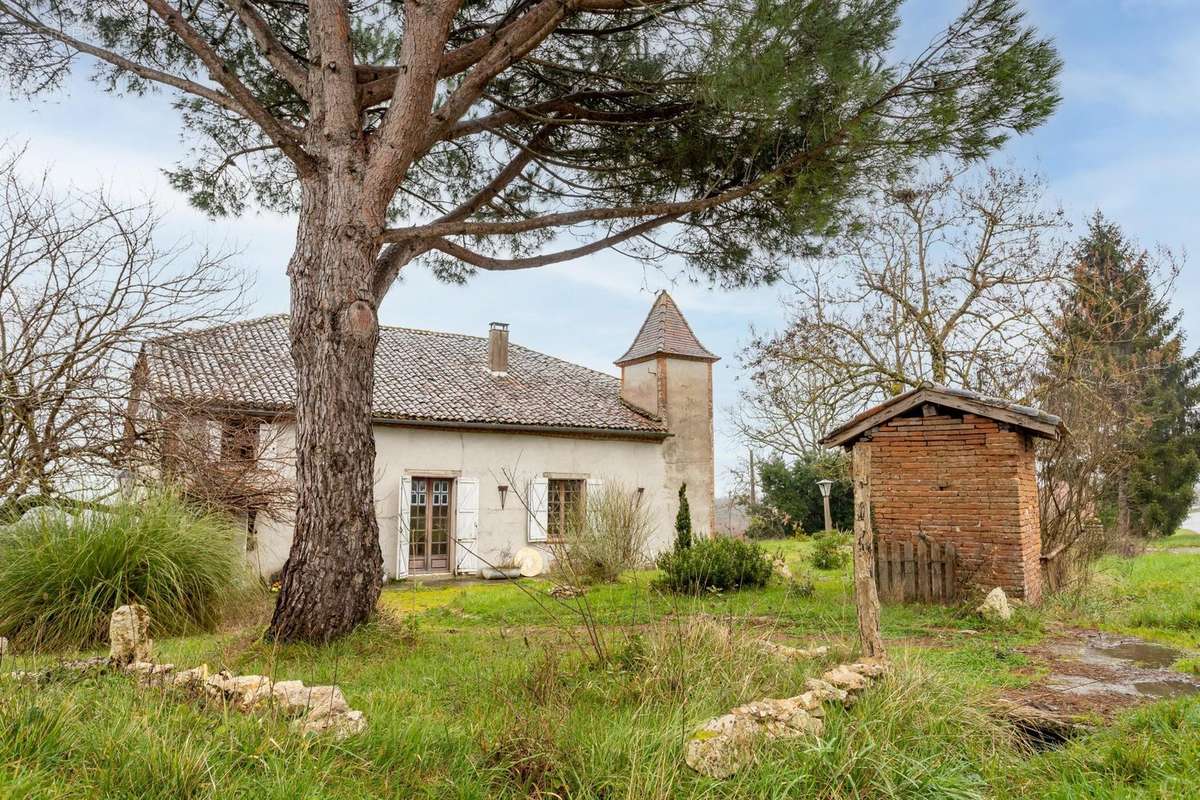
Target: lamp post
{"type": "Point", "coordinates": [826, 486]}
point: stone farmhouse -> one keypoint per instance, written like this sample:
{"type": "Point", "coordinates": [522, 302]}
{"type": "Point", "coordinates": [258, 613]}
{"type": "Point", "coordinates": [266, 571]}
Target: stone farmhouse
{"type": "Point", "coordinates": [483, 447]}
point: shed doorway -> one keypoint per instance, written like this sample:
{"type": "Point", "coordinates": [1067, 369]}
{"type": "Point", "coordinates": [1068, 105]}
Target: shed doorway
{"type": "Point", "coordinates": [430, 525]}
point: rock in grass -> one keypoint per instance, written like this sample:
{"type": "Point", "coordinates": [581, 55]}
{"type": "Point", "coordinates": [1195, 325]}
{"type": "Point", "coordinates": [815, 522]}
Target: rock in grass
{"type": "Point", "coordinates": [995, 607]}
{"type": "Point", "coordinates": [129, 635]}
{"type": "Point", "coordinates": [788, 652]}
{"type": "Point", "coordinates": [293, 697]}
{"type": "Point", "coordinates": [722, 746]}
{"type": "Point", "coordinates": [826, 691]}
{"type": "Point", "coordinates": [845, 678]}
{"type": "Point", "coordinates": [3, 647]}
{"type": "Point", "coordinates": [870, 668]}
{"type": "Point", "coordinates": [339, 726]}
{"type": "Point", "coordinates": [190, 678]}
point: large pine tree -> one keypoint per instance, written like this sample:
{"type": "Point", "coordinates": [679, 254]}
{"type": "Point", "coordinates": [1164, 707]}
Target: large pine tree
{"type": "Point", "coordinates": [512, 134]}
{"type": "Point", "coordinates": [1117, 337]}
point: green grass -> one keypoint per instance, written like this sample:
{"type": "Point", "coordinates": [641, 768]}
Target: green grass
{"type": "Point", "coordinates": [491, 690]}
{"type": "Point", "coordinates": [1182, 538]}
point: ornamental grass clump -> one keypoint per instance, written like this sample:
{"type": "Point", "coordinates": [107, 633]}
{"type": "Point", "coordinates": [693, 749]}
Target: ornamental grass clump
{"type": "Point", "coordinates": [715, 564]}
{"type": "Point", "coordinates": [61, 576]}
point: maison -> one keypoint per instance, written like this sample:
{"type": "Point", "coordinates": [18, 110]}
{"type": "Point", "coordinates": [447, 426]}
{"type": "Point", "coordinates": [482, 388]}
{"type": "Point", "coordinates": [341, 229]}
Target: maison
{"type": "Point", "coordinates": [953, 466]}
{"type": "Point", "coordinates": [483, 447]}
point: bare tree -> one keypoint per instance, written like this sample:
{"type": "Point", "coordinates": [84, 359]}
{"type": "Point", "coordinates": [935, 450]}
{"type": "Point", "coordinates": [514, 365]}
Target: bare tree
{"type": "Point", "coordinates": [82, 284]}
{"type": "Point", "coordinates": [949, 280]}
{"type": "Point", "coordinates": [469, 135]}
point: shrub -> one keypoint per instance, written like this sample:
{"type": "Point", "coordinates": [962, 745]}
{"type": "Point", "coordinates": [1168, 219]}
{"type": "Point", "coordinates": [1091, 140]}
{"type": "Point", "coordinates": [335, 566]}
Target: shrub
{"type": "Point", "coordinates": [829, 550]}
{"type": "Point", "coordinates": [721, 563]}
{"type": "Point", "coordinates": [801, 585]}
{"type": "Point", "coordinates": [606, 539]}
{"type": "Point", "coordinates": [61, 577]}
{"type": "Point", "coordinates": [766, 523]}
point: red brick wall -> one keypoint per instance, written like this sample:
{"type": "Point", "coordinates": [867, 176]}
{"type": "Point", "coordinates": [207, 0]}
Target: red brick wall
{"type": "Point", "coordinates": [964, 480]}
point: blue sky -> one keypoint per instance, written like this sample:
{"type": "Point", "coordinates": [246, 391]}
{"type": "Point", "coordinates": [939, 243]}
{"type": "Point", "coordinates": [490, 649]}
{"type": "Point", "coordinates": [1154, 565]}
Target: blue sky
{"type": "Point", "coordinates": [1125, 141]}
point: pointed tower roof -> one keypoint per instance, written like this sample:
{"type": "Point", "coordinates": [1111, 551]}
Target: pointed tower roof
{"type": "Point", "coordinates": [666, 332]}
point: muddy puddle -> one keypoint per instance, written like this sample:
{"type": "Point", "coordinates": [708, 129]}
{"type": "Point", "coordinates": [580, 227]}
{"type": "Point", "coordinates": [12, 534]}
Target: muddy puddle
{"type": "Point", "coordinates": [1120, 665]}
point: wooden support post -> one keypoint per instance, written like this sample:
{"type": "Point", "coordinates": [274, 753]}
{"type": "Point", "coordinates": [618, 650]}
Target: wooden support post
{"type": "Point", "coordinates": [866, 594]}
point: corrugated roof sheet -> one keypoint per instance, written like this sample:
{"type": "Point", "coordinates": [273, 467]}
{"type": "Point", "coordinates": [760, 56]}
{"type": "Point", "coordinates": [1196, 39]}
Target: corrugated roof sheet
{"type": "Point", "coordinates": [419, 376]}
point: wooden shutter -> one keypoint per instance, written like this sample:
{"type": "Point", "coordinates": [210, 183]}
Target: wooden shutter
{"type": "Point", "coordinates": [466, 525]}
{"type": "Point", "coordinates": [402, 529]}
{"type": "Point", "coordinates": [539, 489]}
{"type": "Point", "coordinates": [594, 486]}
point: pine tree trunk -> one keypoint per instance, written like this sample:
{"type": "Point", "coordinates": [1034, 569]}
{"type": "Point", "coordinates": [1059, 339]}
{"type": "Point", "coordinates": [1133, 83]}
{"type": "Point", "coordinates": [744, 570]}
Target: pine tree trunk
{"type": "Point", "coordinates": [333, 574]}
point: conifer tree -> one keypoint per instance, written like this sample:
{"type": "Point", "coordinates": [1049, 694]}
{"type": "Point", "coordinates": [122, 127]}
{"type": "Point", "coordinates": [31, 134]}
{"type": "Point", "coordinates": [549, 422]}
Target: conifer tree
{"type": "Point", "coordinates": [1117, 341]}
{"type": "Point", "coordinates": [683, 521]}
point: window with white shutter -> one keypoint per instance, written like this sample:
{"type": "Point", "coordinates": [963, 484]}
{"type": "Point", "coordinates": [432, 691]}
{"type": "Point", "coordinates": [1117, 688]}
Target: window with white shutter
{"type": "Point", "coordinates": [402, 530]}
{"type": "Point", "coordinates": [466, 526]}
{"type": "Point", "coordinates": [538, 521]}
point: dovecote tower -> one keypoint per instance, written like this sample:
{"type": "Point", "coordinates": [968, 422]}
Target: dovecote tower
{"type": "Point", "coordinates": [667, 372]}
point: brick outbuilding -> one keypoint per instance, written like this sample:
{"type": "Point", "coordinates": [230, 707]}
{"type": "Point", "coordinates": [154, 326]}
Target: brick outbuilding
{"type": "Point", "coordinates": [950, 465]}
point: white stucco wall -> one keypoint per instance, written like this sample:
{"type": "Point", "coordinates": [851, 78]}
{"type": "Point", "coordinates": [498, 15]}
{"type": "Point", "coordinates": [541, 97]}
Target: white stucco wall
{"type": "Point", "coordinates": [494, 458]}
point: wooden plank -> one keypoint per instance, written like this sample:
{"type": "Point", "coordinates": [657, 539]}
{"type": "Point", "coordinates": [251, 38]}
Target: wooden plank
{"type": "Point", "coordinates": [885, 584]}
{"type": "Point", "coordinates": [935, 572]}
{"type": "Point", "coordinates": [910, 576]}
{"type": "Point", "coordinates": [881, 566]}
{"type": "Point", "coordinates": [923, 590]}
{"type": "Point", "coordinates": [898, 571]}
{"type": "Point", "coordinates": [951, 572]}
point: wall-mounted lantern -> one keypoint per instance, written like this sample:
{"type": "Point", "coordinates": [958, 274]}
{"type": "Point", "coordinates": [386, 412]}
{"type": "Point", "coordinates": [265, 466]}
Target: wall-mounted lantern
{"type": "Point", "coordinates": [503, 489]}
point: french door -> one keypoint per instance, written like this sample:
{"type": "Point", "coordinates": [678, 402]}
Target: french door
{"type": "Point", "coordinates": [430, 524]}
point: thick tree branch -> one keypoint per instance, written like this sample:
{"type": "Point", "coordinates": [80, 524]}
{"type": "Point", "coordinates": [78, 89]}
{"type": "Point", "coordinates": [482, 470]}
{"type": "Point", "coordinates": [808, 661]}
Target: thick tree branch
{"type": "Point", "coordinates": [389, 263]}
{"type": "Point", "coordinates": [221, 73]}
{"type": "Point", "coordinates": [513, 43]}
{"type": "Point", "coordinates": [569, 112]}
{"type": "Point", "coordinates": [284, 62]}
{"type": "Point", "coordinates": [678, 208]}
{"type": "Point", "coordinates": [531, 262]}
{"type": "Point", "coordinates": [401, 139]}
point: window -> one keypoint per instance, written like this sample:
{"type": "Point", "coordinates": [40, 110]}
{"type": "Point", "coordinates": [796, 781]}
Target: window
{"type": "Point", "coordinates": [239, 440]}
{"type": "Point", "coordinates": [563, 505]}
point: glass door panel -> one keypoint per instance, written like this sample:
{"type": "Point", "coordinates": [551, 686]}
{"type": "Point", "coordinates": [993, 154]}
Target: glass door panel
{"type": "Point", "coordinates": [439, 526]}
{"type": "Point", "coordinates": [418, 542]}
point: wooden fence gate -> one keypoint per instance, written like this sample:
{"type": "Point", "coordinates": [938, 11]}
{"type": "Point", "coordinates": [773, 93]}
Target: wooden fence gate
{"type": "Point", "coordinates": [916, 570]}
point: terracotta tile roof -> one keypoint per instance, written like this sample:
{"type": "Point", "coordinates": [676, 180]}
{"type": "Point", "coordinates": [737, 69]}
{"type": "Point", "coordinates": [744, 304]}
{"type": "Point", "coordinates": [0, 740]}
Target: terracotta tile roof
{"type": "Point", "coordinates": [419, 376]}
{"type": "Point", "coordinates": [666, 331]}
{"type": "Point", "coordinates": [1038, 422]}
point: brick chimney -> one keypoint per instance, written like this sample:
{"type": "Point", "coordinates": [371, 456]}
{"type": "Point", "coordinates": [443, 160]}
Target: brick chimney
{"type": "Point", "coordinates": [498, 348]}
